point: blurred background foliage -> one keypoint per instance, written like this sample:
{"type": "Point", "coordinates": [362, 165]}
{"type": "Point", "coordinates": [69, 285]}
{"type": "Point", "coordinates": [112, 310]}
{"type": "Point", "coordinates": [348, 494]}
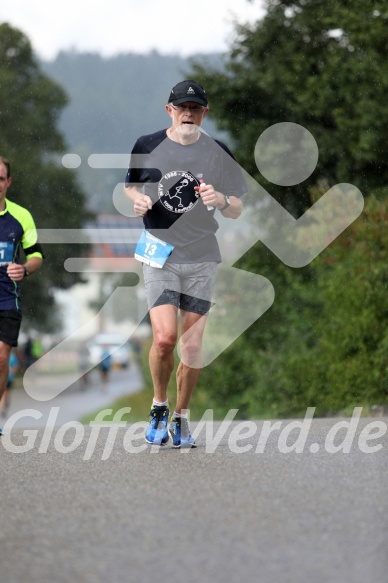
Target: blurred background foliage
{"type": "Point", "coordinates": [321, 64]}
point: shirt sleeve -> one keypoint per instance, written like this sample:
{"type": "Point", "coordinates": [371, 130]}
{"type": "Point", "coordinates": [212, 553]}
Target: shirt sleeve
{"type": "Point", "coordinates": [234, 183]}
{"type": "Point", "coordinates": [134, 173]}
{"type": "Point", "coordinates": [29, 241]}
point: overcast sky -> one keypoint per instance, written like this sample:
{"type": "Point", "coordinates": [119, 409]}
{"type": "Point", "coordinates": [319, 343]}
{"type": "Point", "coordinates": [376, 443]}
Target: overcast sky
{"type": "Point", "coordinates": [179, 27]}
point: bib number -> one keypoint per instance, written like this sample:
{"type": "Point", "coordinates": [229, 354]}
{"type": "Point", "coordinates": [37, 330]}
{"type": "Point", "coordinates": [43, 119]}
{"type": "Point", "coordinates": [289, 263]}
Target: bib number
{"type": "Point", "coordinates": [6, 253]}
{"type": "Point", "coordinates": [152, 250]}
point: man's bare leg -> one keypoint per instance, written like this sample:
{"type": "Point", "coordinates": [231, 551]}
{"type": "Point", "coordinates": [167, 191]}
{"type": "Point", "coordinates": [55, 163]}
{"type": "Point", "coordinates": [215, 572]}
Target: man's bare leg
{"type": "Point", "coordinates": [164, 320]}
{"type": "Point", "coordinates": [189, 369]}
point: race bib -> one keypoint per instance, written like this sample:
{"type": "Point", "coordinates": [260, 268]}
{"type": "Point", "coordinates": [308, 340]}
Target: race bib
{"type": "Point", "coordinates": [6, 253]}
{"type": "Point", "coordinates": [152, 250]}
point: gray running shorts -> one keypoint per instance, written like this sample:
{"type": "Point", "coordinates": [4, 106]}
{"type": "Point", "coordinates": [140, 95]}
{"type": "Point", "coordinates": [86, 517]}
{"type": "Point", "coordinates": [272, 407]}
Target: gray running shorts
{"type": "Point", "coordinates": [188, 286]}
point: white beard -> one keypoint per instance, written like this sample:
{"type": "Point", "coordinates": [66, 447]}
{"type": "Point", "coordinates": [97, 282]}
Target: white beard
{"type": "Point", "coordinates": [187, 131]}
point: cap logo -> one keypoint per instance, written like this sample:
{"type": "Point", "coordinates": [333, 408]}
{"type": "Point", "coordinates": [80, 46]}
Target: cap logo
{"type": "Point", "coordinates": [191, 91]}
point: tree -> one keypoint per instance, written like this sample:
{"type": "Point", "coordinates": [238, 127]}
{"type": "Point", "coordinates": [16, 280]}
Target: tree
{"type": "Point", "coordinates": [323, 342]}
{"type": "Point", "coordinates": [319, 64]}
{"type": "Point", "coordinates": [348, 363]}
{"type": "Point", "coordinates": [29, 110]}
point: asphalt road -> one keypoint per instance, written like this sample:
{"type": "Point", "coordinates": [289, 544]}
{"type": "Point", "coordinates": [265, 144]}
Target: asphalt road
{"type": "Point", "coordinates": [116, 510]}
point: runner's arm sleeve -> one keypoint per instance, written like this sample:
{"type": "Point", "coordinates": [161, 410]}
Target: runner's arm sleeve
{"type": "Point", "coordinates": [30, 243]}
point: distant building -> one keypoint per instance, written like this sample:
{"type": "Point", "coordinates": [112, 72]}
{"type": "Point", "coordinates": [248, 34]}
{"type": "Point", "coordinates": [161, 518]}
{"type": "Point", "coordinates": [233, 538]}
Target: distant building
{"type": "Point", "coordinates": [110, 264]}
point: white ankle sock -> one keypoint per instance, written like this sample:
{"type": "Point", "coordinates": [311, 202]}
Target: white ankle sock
{"type": "Point", "coordinates": [177, 415]}
{"type": "Point", "coordinates": [164, 404]}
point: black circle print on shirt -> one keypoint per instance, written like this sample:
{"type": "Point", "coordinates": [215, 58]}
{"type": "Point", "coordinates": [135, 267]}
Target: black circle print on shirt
{"type": "Point", "coordinates": [176, 191]}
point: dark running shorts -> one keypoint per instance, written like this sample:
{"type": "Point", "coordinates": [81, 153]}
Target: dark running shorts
{"type": "Point", "coordinates": [10, 321]}
{"type": "Point", "coordinates": [188, 286]}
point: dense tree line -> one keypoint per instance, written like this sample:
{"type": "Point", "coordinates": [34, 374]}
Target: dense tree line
{"type": "Point", "coordinates": [324, 341]}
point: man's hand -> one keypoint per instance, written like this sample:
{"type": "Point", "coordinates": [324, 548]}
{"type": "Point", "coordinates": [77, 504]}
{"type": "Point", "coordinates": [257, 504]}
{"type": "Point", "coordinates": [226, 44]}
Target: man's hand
{"type": "Point", "coordinates": [15, 271]}
{"type": "Point", "coordinates": [141, 202]}
{"type": "Point", "coordinates": [209, 196]}
{"type": "Point", "coordinates": [142, 205]}
{"type": "Point", "coordinates": [213, 198]}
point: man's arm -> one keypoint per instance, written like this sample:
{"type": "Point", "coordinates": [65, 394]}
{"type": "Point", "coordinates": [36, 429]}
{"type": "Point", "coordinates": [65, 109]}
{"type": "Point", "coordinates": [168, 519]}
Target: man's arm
{"type": "Point", "coordinates": [234, 210]}
{"type": "Point", "coordinates": [33, 264]}
{"type": "Point", "coordinates": [16, 271]}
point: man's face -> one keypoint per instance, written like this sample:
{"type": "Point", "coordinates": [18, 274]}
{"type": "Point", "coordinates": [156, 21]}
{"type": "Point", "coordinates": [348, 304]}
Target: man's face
{"type": "Point", "coordinates": [4, 183]}
{"type": "Point", "coordinates": [187, 117]}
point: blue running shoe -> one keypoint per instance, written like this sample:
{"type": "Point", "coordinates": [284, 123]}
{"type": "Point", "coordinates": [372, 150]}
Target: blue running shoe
{"type": "Point", "coordinates": [180, 433]}
{"type": "Point", "coordinates": [156, 432]}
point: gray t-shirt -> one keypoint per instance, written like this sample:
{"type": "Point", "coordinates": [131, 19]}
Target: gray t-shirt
{"type": "Point", "coordinates": [168, 172]}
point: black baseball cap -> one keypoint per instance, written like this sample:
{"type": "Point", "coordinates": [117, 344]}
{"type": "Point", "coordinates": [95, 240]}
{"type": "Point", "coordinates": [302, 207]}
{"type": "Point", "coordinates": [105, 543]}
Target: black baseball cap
{"type": "Point", "coordinates": [187, 91]}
